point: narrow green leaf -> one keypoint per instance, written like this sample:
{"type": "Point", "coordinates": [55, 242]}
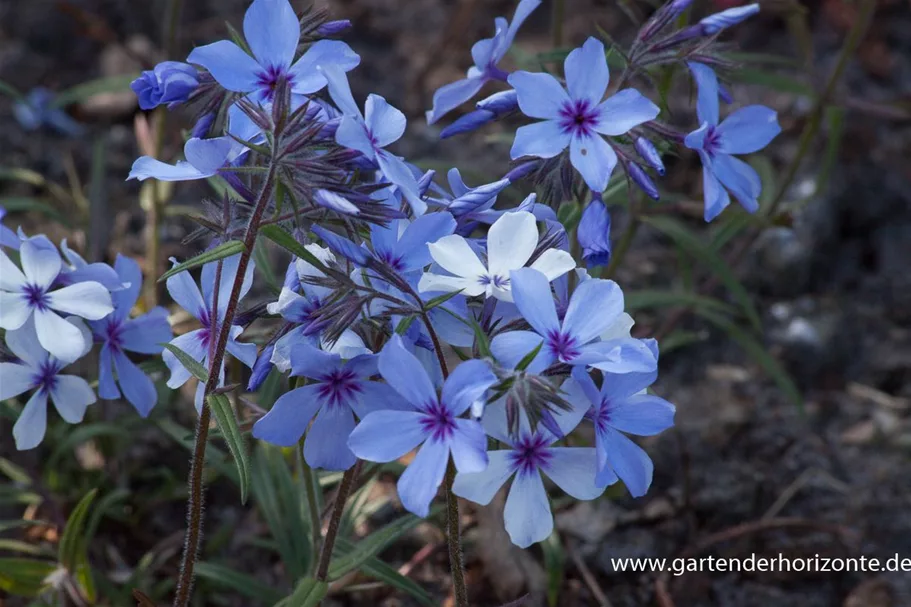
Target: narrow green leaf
{"type": "Point", "coordinates": [72, 543]}
{"type": "Point", "coordinates": [371, 545]}
{"type": "Point", "coordinates": [286, 240]}
{"type": "Point", "coordinates": [378, 570]}
{"type": "Point", "coordinates": [226, 249]}
{"type": "Point", "coordinates": [237, 38]}
{"type": "Point", "coordinates": [480, 339]}
{"type": "Point", "coordinates": [526, 360]}
{"type": "Point", "coordinates": [554, 560]}
{"type": "Point", "coordinates": [189, 363]}
{"type": "Point", "coordinates": [638, 300]}
{"type": "Point", "coordinates": [7, 525]}
{"type": "Point", "coordinates": [755, 349]}
{"type": "Point", "coordinates": [308, 593]}
{"type": "Point", "coordinates": [227, 423]}
{"type": "Point", "coordinates": [234, 580]}
{"type": "Point", "coordinates": [439, 300]}
{"type": "Point", "coordinates": [24, 576]}
{"type": "Point", "coordinates": [264, 266]}
{"type": "Point", "coordinates": [81, 92]}
{"type": "Point", "coordinates": [404, 324]}
{"type": "Point", "coordinates": [693, 244]}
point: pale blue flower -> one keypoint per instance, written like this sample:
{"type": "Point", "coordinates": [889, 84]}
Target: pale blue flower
{"type": "Point", "coordinates": [576, 117]}
{"type": "Point", "coordinates": [434, 423]}
{"type": "Point", "coordinates": [38, 109]}
{"type": "Point", "coordinates": [8, 238]}
{"type": "Point", "coordinates": [169, 82]}
{"type": "Point", "coordinates": [37, 370]}
{"type": "Point", "coordinates": [204, 158]}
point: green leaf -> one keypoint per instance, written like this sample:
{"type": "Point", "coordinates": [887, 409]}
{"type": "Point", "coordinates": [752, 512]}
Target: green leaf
{"type": "Point", "coordinates": [81, 92]}
{"type": "Point", "coordinates": [554, 559]}
{"type": "Point", "coordinates": [693, 245]}
{"type": "Point", "coordinates": [378, 570]}
{"type": "Point", "coordinates": [237, 581]}
{"type": "Point", "coordinates": [264, 265]}
{"type": "Point", "coordinates": [286, 240]}
{"type": "Point", "coordinates": [308, 593]}
{"type": "Point", "coordinates": [226, 249]}
{"type": "Point", "coordinates": [638, 300]}
{"type": "Point", "coordinates": [755, 349]}
{"type": "Point", "coordinates": [730, 225]}
{"type": "Point", "coordinates": [72, 542]}
{"type": "Point", "coordinates": [371, 545]}
{"type": "Point", "coordinates": [439, 300]}
{"type": "Point", "coordinates": [403, 325]}
{"type": "Point", "coordinates": [189, 363]}
{"type": "Point", "coordinates": [83, 434]}
{"type": "Point", "coordinates": [480, 338]}
{"type": "Point", "coordinates": [227, 423]}
{"type": "Point", "coordinates": [25, 577]}
{"type": "Point", "coordinates": [526, 360]}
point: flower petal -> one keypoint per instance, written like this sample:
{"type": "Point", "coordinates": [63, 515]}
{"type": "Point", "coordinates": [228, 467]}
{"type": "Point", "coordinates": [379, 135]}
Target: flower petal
{"type": "Point", "coordinates": [147, 167]}
{"type": "Point", "coordinates": [469, 446]}
{"type": "Point", "coordinates": [384, 436]}
{"type": "Point", "coordinates": [71, 395]}
{"type": "Point", "coordinates": [32, 423]}
{"type": "Point", "coordinates": [511, 347]}
{"type": "Point", "coordinates": [86, 299]}
{"type": "Point", "coordinates": [193, 344]}
{"type": "Point", "coordinates": [716, 197]}
{"type": "Point", "coordinates": [374, 396]}
{"type": "Point", "coordinates": [272, 30]}
{"type": "Point", "coordinates": [419, 483]}
{"type": "Point", "coordinates": [23, 342]}
{"type": "Point", "coordinates": [40, 265]}
{"type": "Point", "coordinates": [553, 263]}
{"type": "Point", "coordinates": [527, 515]}
{"type": "Point", "coordinates": [146, 333]}
{"type": "Point", "coordinates": [404, 373]}
{"type": "Point", "coordinates": [539, 94]}
{"type": "Point", "coordinates": [59, 337]}
{"type": "Point", "coordinates": [138, 389]}
{"type": "Point", "coordinates": [229, 64]}
{"type": "Point", "coordinates": [643, 415]}
{"type": "Point", "coordinates": [16, 379]}
{"type": "Point", "coordinates": [452, 95]}
{"type": "Point", "coordinates": [385, 122]}
{"type": "Point", "coordinates": [593, 307]}
{"type": "Point", "coordinates": [326, 446]}
{"type": "Point", "coordinates": [542, 139]}
{"type": "Point", "coordinates": [453, 254]}
{"type": "Point", "coordinates": [466, 384]}
{"type": "Point", "coordinates": [11, 277]}
{"type": "Point", "coordinates": [628, 461]}
{"type": "Point", "coordinates": [307, 78]}
{"type": "Point", "coordinates": [351, 133]}
{"type": "Point", "coordinates": [398, 174]}
{"type": "Point", "coordinates": [531, 294]}
{"type": "Point", "coordinates": [287, 420]}
{"type": "Point", "coordinates": [412, 246]}
{"type": "Point", "coordinates": [208, 155]}
{"type": "Point", "coordinates": [748, 130]}
{"type": "Point", "coordinates": [707, 92]}
{"type": "Point", "coordinates": [107, 387]}
{"type": "Point", "coordinates": [618, 356]}
{"type": "Point", "coordinates": [595, 160]}
{"type": "Point", "coordinates": [431, 283]}
{"type": "Point", "coordinates": [16, 310]}
{"type": "Point", "coordinates": [481, 487]}
{"type": "Point", "coordinates": [740, 178]}
{"type": "Point", "coordinates": [573, 469]}
{"type": "Point", "coordinates": [340, 90]}
{"type": "Point", "coordinates": [510, 242]}
{"type": "Point", "coordinates": [624, 110]}
{"type": "Point", "coordinates": [184, 291]}
{"type": "Point", "coordinates": [586, 72]}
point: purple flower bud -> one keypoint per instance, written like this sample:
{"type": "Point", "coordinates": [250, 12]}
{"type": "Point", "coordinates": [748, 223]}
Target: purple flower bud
{"type": "Point", "coordinates": [467, 123]}
{"type": "Point", "coordinates": [334, 28]}
{"type": "Point", "coordinates": [261, 369]}
{"type": "Point", "coordinates": [522, 170]}
{"type": "Point", "coordinates": [328, 129]}
{"type": "Point", "coordinates": [642, 180]}
{"type": "Point", "coordinates": [425, 182]}
{"type": "Point", "coordinates": [500, 103]}
{"type": "Point", "coordinates": [593, 233]}
{"type": "Point", "coordinates": [169, 82]}
{"type": "Point", "coordinates": [336, 202]}
{"type": "Point", "coordinates": [649, 154]}
{"type": "Point", "coordinates": [202, 126]}
{"type": "Point", "coordinates": [713, 24]}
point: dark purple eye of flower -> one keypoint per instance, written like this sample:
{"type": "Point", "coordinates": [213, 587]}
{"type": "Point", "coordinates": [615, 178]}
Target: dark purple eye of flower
{"type": "Point", "coordinates": [500, 282]}
{"type": "Point", "coordinates": [438, 422]}
{"type": "Point", "coordinates": [35, 296]}
{"type": "Point", "coordinates": [339, 387]}
{"type": "Point", "coordinates": [712, 141]}
{"type": "Point", "coordinates": [530, 453]}
{"type": "Point", "coordinates": [46, 378]}
{"type": "Point", "coordinates": [393, 261]}
{"type": "Point", "coordinates": [578, 118]}
{"type": "Point", "coordinates": [562, 345]}
{"type": "Point", "coordinates": [112, 330]}
{"type": "Point", "coordinates": [269, 79]}
{"type": "Point", "coordinates": [600, 416]}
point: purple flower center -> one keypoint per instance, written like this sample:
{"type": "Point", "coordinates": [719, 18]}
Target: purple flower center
{"type": "Point", "coordinates": [393, 261]}
{"type": "Point", "coordinates": [339, 387]}
{"type": "Point", "coordinates": [578, 118]}
{"type": "Point", "coordinates": [46, 377]}
{"type": "Point", "coordinates": [206, 331]}
{"type": "Point", "coordinates": [498, 282]}
{"type": "Point", "coordinates": [269, 79]}
{"type": "Point", "coordinates": [530, 453]}
{"type": "Point", "coordinates": [712, 141]}
{"type": "Point", "coordinates": [112, 332]}
{"type": "Point", "coordinates": [35, 296]}
{"type": "Point", "coordinates": [600, 415]}
{"type": "Point", "coordinates": [562, 345]}
{"type": "Point", "coordinates": [438, 421]}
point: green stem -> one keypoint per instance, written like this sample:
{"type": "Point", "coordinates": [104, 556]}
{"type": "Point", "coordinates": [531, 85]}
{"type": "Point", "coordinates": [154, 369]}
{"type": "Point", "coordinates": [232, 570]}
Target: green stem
{"type": "Point", "coordinates": [309, 480]}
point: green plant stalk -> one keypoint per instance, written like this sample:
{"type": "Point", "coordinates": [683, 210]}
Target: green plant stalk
{"type": "Point", "coordinates": [193, 538]}
{"type": "Point", "coordinates": [344, 490]}
{"type": "Point", "coordinates": [316, 531]}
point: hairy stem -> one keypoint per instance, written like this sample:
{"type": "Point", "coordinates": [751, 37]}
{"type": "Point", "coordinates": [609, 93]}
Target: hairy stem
{"type": "Point", "coordinates": [193, 536]}
{"type": "Point", "coordinates": [344, 490]}
{"type": "Point", "coordinates": [454, 540]}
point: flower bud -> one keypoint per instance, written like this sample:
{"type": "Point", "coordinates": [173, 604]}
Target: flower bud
{"type": "Point", "coordinates": [467, 123]}
{"type": "Point", "coordinates": [169, 82]}
{"type": "Point", "coordinates": [333, 28]}
{"type": "Point", "coordinates": [593, 233]}
{"type": "Point", "coordinates": [522, 170]}
{"type": "Point", "coordinates": [713, 24]}
{"type": "Point", "coordinates": [261, 369]}
{"type": "Point", "coordinates": [649, 154]}
{"type": "Point", "coordinates": [642, 180]}
{"type": "Point", "coordinates": [500, 103]}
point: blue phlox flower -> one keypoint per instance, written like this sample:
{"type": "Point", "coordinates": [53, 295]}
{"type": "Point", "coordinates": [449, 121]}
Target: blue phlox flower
{"type": "Point", "coordinates": [379, 126]}
{"type": "Point", "coordinates": [8, 238]}
{"type": "Point", "coordinates": [39, 371]}
{"type": "Point", "coordinates": [28, 293]}
{"type": "Point", "coordinates": [272, 31]}
{"type": "Point", "coordinates": [593, 233]}
{"type": "Point", "coordinates": [169, 82]}
{"type": "Point", "coordinates": [79, 270]}
{"type": "Point", "coordinates": [120, 334]}
{"type": "Point", "coordinates": [529, 456]}
{"type": "Point", "coordinates": [620, 407]}
{"type": "Point", "coordinates": [338, 391]}
{"type": "Point", "coordinates": [511, 241]}
{"type": "Point", "coordinates": [745, 131]}
{"type": "Point", "coordinates": [434, 422]}
{"type": "Point", "coordinates": [486, 54]}
{"type": "Point", "coordinates": [201, 306]}
{"type": "Point", "coordinates": [37, 110]}
{"type": "Point", "coordinates": [204, 158]}
{"type": "Point", "coordinates": [594, 306]}
{"type": "Point", "coordinates": [576, 117]}
{"type": "Point", "coordinates": [402, 244]}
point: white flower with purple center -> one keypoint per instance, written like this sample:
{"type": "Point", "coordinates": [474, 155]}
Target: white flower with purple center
{"type": "Point", "coordinates": [338, 391]}
{"type": "Point", "coordinates": [197, 343]}
{"type": "Point", "coordinates": [434, 422]}
{"type": "Point", "coordinates": [576, 117]}
{"type": "Point", "coordinates": [511, 242]}
{"type": "Point", "coordinates": [529, 456]}
{"type": "Point", "coordinates": [593, 308]}
{"type": "Point", "coordinates": [37, 370]}
{"type": "Point", "coordinates": [29, 293]}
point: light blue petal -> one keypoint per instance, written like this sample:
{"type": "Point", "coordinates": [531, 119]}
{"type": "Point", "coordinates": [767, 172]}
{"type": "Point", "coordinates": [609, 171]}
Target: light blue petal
{"type": "Point", "coordinates": [340, 90]}
{"type": "Point", "coordinates": [748, 130]}
{"type": "Point", "coordinates": [385, 122]}
{"type": "Point", "coordinates": [617, 387]}
{"type": "Point", "coordinates": [740, 178]}
{"type": "Point", "coordinates": [307, 78]}
{"type": "Point", "coordinates": [192, 343]}
{"type": "Point", "coordinates": [527, 515]}
{"type": "Point", "coordinates": [622, 355]}
{"type": "Point", "coordinates": [129, 273]}
{"type": "Point", "coordinates": [309, 361]}
{"type": "Point", "coordinates": [696, 139]}
{"type": "Point", "coordinates": [59, 337]}
{"type": "Point", "coordinates": [716, 197]}
{"type": "Point", "coordinates": [511, 347]}
{"type": "Point", "coordinates": [573, 469]}
{"type": "Point", "coordinates": [16, 310]}
{"type": "Point", "coordinates": [351, 133]}
{"type": "Point", "coordinates": [524, 9]}
{"type": "Point", "coordinates": [481, 487]}
{"type": "Point", "coordinates": [107, 387]}
{"type": "Point", "coordinates": [24, 344]}
{"type": "Point", "coordinates": [146, 333]}
{"type": "Point", "coordinates": [208, 155]}
{"type": "Point", "coordinates": [586, 72]}
{"type": "Point", "coordinates": [580, 390]}
{"type": "Point", "coordinates": [289, 417]}
{"type": "Point", "coordinates": [374, 396]}
{"type": "Point", "coordinates": [404, 373]}
{"type": "Point", "coordinates": [707, 92]}
{"type": "Point", "coordinates": [594, 306]}
{"type": "Point", "coordinates": [467, 384]}
{"type": "Point", "coordinates": [272, 30]}
{"type": "Point", "coordinates": [469, 446]}
{"type": "Point", "coordinates": [39, 264]}
{"type": "Point", "coordinates": [229, 64]}
{"type": "Point", "coordinates": [542, 139]}
{"type": "Point", "coordinates": [398, 173]}
{"type": "Point", "coordinates": [531, 294]}
{"type": "Point", "coordinates": [71, 395]}
{"type": "Point", "coordinates": [229, 267]}
{"type": "Point", "coordinates": [624, 110]}
{"type": "Point", "coordinates": [184, 291]}
{"type": "Point", "coordinates": [326, 446]}
{"type": "Point", "coordinates": [419, 483]}
{"type": "Point", "coordinates": [539, 94]}
{"type": "Point", "coordinates": [384, 436]}
{"type": "Point", "coordinates": [29, 429]}
{"type": "Point", "coordinates": [88, 300]}
{"type": "Point", "coordinates": [147, 167]}
{"type": "Point", "coordinates": [642, 415]}
{"type": "Point", "coordinates": [412, 246]}
{"type": "Point", "coordinates": [452, 95]}
{"type": "Point", "coordinates": [16, 379]}
{"type": "Point", "coordinates": [245, 353]}
{"type": "Point", "coordinates": [138, 389]}
{"type": "Point", "coordinates": [595, 160]}
{"type": "Point", "coordinates": [628, 461]}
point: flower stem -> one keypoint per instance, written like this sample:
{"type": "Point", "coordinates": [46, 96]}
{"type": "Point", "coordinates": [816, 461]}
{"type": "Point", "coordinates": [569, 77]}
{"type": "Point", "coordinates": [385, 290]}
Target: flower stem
{"type": "Point", "coordinates": [344, 490]}
{"type": "Point", "coordinates": [310, 487]}
{"type": "Point", "coordinates": [193, 538]}
{"type": "Point", "coordinates": [454, 540]}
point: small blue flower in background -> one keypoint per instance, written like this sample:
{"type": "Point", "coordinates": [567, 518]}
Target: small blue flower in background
{"type": "Point", "coordinates": [37, 109]}
{"type": "Point", "coordinates": [511, 241]}
{"type": "Point", "coordinates": [272, 31]}
{"type": "Point", "coordinates": [169, 82]}
{"type": "Point", "coordinates": [338, 391]}
{"type": "Point", "coordinates": [745, 131]}
{"type": "Point", "coordinates": [530, 454]}
{"type": "Point", "coordinates": [621, 406]}
{"type": "Point", "coordinates": [39, 371]}
{"type": "Point", "coordinates": [120, 334]}
{"type": "Point", "coordinates": [8, 238]}
{"type": "Point", "coordinates": [594, 306]}
{"type": "Point", "coordinates": [576, 117]}
{"type": "Point", "coordinates": [27, 293]}
{"type": "Point", "coordinates": [196, 343]}
{"type": "Point", "coordinates": [204, 158]}
{"type": "Point", "coordinates": [593, 233]}
{"type": "Point", "coordinates": [486, 54]}
{"type": "Point", "coordinates": [379, 126]}
{"type": "Point", "coordinates": [434, 422]}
